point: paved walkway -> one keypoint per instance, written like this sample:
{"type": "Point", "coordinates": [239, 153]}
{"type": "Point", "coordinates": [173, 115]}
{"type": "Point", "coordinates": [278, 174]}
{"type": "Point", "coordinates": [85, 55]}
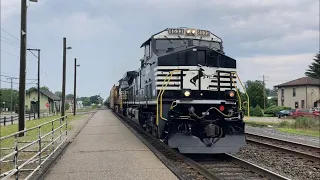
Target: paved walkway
{"type": "Point", "coordinates": [107, 149]}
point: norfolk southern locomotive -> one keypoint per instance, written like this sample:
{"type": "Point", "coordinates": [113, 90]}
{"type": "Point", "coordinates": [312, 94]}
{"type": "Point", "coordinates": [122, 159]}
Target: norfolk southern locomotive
{"type": "Point", "coordinates": [184, 93]}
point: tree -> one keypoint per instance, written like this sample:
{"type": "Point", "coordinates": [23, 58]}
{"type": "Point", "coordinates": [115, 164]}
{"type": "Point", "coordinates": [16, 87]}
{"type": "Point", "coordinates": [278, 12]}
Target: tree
{"type": "Point", "coordinates": [6, 97]}
{"type": "Point", "coordinates": [96, 99]}
{"type": "Point", "coordinates": [255, 91]}
{"type": "Point", "coordinates": [314, 68]}
{"type": "Point", "coordinates": [86, 101]}
{"type": "Point", "coordinates": [69, 96]}
{"type": "Point", "coordinates": [45, 88]}
{"type": "Point", "coordinates": [58, 93]}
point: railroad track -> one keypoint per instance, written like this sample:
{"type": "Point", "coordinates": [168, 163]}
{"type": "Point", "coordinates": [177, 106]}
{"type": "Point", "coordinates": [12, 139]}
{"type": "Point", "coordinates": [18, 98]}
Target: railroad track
{"type": "Point", "coordinates": [298, 149]}
{"type": "Point", "coordinates": [200, 166]}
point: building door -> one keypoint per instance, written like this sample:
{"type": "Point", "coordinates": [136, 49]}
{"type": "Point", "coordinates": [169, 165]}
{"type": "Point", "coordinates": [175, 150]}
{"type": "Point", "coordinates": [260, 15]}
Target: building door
{"type": "Point", "coordinates": [34, 107]}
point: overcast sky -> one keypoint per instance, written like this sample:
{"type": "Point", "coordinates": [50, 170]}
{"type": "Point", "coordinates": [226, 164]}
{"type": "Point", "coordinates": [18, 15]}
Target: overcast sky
{"type": "Point", "coordinates": [276, 38]}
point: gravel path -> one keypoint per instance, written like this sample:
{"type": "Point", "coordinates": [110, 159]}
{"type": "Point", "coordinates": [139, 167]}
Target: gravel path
{"type": "Point", "coordinates": [283, 163]}
{"type": "Point", "coordinates": [271, 132]}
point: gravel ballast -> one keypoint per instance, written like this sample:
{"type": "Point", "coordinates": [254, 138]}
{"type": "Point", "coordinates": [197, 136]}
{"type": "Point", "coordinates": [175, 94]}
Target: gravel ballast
{"type": "Point", "coordinates": [285, 164]}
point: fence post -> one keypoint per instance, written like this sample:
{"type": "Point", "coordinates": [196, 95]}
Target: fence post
{"type": "Point", "coordinates": [29, 116]}
{"type": "Point", "coordinates": [4, 121]}
{"type": "Point", "coordinates": [34, 115]}
{"type": "Point", "coordinates": [15, 157]}
{"type": "Point", "coordinates": [11, 120]}
{"type": "Point", "coordinates": [39, 136]}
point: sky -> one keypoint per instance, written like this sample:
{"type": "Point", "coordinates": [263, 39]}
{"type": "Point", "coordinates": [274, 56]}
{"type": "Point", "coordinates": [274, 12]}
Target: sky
{"type": "Point", "coordinates": [275, 38]}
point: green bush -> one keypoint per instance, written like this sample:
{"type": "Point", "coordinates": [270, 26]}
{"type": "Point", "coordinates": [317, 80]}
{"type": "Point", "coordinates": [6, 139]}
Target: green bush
{"type": "Point", "coordinates": [67, 106]}
{"type": "Point", "coordinates": [283, 124]}
{"type": "Point", "coordinates": [306, 123]}
{"type": "Point", "coordinates": [94, 106]}
{"type": "Point", "coordinates": [257, 111]}
{"type": "Point", "coordinates": [274, 109]}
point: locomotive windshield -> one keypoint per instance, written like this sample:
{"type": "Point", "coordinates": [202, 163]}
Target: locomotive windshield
{"type": "Point", "coordinates": [210, 44]}
{"type": "Point", "coordinates": [165, 45]}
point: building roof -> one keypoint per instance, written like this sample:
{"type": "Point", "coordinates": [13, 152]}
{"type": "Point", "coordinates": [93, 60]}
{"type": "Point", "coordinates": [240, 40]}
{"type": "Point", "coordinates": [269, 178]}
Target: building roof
{"type": "Point", "coordinates": [49, 95]}
{"type": "Point", "coordinates": [304, 81]}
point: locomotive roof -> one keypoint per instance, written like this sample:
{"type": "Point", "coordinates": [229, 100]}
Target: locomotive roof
{"type": "Point", "coordinates": [149, 39]}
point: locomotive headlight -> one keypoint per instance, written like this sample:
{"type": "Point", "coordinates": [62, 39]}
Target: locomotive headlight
{"type": "Point", "coordinates": [231, 94]}
{"type": "Point", "coordinates": [191, 32]}
{"type": "Point", "coordinates": [187, 93]}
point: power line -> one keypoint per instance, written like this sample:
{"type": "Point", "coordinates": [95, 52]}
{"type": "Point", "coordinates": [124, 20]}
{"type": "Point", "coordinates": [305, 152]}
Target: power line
{"type": "Point", "coordinates": [10, 34]}
{"type": "Point", "coordinates": [9, 53]}
{"type": "Point", "coordinates": [14, 36]}
{"type": "Point", "coordinates": [9, 40]}
{"type": "Point", "coordinates": [10, 43]}
{"type": "Point", "coordinates": [15, 77]}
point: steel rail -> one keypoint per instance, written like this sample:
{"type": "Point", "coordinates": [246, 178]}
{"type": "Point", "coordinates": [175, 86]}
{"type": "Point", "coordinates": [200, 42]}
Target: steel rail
{"type": "Point", "coordinates": [283, 143]}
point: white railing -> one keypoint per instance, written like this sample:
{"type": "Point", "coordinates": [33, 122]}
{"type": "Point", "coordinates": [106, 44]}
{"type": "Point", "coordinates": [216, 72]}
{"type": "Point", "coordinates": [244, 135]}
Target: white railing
{"type": "Point", "coordinates": [22, 156]}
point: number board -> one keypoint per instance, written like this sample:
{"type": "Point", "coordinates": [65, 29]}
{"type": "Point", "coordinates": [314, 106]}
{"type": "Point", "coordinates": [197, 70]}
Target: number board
{"type": "Point", "coordinates": [203, 33]}
{"type": "Point", "coordinates": [182, 32]}
{"type": "Point", "coordinates": [175, 31]}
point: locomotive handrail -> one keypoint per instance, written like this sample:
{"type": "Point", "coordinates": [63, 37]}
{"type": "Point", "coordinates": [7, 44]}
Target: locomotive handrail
{"type": "Point", "coordinates": [163, 87]}
{"type": "Point", "coordinates": [248, 104]}
{"type": "Point", "coordinates": [237, 90]}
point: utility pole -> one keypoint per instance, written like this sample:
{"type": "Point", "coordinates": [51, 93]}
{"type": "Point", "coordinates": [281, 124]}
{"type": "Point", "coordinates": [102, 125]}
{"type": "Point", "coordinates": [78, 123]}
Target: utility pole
{"type": "Point", "coordinates": [38, 84]}
{"type": "Point", "coordinates": [75, 87]}
{"type": "Point", "coordinates": [38, 108]}
{"type": "Point", "coordinates": [22, 79]}
{"type": "Point", "coordinates": [64, 77]}
{"type": "Point", "coordinates": [11, 107]}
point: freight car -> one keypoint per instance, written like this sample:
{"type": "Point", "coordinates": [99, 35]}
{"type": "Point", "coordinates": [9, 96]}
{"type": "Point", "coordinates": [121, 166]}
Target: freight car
{"type": "Point", "coordinates": [185, 92]}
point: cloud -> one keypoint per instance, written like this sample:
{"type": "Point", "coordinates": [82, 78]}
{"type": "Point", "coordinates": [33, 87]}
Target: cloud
{"type": "Point", "coordinates": [290, 40]}
{"type": "Point", "coordinates": [81, 25]}
{"type": "Point", "coordinates": [9, 8]}
{"type": "Point", "coordinates": [278, 68]}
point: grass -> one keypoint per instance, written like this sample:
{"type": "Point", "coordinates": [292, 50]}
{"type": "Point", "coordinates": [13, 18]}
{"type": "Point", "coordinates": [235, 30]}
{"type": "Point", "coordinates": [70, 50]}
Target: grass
{"type": "Point", "coordinates": [258, 124]}
{"type": "Point", "coordinates": [301, 126]}
{"type": "Point", "coordinates": [86, 110]}
{"type": "Point", "coordinates": [32, 135]}
{"type": "Point", "coordinates": [300, 131]}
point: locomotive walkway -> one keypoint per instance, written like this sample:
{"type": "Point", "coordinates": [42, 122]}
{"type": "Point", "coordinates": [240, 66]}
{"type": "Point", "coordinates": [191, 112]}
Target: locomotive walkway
{"type": "Point", "coordinates": [106, 149]}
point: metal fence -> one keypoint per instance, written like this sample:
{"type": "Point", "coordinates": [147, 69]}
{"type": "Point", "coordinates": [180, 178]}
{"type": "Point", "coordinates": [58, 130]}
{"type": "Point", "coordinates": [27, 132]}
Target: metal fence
{"type": "Point", "coordinates": [22, 156]}
{"type": "Point", "coordinates": [9, 120]}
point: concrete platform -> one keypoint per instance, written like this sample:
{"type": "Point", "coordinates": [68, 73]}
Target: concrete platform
{"type": "Point", "coordinates": [107, 149]}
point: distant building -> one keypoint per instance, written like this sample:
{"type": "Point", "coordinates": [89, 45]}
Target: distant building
{"type": "Point", "coordinates": [299, 93]}
{"type": "Point", "coordinates": [46, 97]}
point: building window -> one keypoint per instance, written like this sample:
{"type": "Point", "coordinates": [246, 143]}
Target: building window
{"type": "Point", "coordinates": [296, 104]}
{"type": "Point", "coordinates": [282, 92]}
{"type": "Point", "coordinates": [302, 103]}
{"type": "Point", "coordinates": [282, 102]}
{"type": "Point", "coordinates": [294, 92]}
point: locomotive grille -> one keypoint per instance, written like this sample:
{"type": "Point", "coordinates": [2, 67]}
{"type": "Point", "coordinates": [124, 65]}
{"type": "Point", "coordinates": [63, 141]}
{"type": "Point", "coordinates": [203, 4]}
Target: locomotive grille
{"type": "Point", "coordinates": [211, 79]}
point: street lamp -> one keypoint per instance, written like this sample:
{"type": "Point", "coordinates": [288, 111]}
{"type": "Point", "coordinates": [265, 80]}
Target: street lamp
{"type": "Point", "coordinates": [75, 87]}
{"type": "Point", "coordinates": [65, 48]}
